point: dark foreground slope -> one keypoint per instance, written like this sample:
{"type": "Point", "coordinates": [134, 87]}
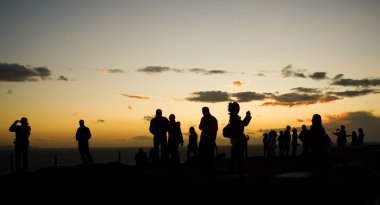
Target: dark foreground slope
{"type": "Point", "coordinates": [349, 179]}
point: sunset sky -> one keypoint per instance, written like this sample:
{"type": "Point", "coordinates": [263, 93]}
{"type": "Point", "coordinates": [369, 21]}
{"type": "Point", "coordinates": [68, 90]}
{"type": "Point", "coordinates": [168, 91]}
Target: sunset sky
{"type": "Point", "coordinates": [113, 63]}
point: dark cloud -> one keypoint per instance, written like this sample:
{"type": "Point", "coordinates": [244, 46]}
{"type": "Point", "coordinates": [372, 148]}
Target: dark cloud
{"type": "Point", "coordinates": [159, 69]}
{"type": "Point", "coordinates": [207, 72]}
{"type": "Point", "coordinates": [357, 83]}
{"type": "Point", "coordinates": [353, 121]}
{"type": "Point", "coordinates": [209, 96]}
{"type": "Point", "coordinates": [306, 90]}
{"type": "Point", "coordinates": [154, 69]}
{"type": "Point", "coordinates": [299, 99]}
{"type": "Point", "coordinates": [318, 76]}
{"type": "Point", "coordinates": [61, 77]}
{"type": "Point", "coordinates": [248, 96]}
{"type": "Point", "coordinates": [114, 70]}
{"type": "Point", "coordinates": [135, 96]}
{"type": "Point", "coordinates": [354, 93]}
{"type": "Point", "coordinates": [289, 72]}
{"type": "Point", "coordinates": [19, 73]}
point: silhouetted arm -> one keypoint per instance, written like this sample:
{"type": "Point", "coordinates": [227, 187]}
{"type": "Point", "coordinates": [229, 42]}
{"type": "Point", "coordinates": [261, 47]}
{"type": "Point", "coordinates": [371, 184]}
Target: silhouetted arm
{"type": "Point", "coordinates": [201, 124]}
{"type": "Point", "coordinates": [247, 119]}
{"type": "Point", "coordinates": [89, 133]}
{"type": "Point", "coordinates": [151, 127]}
{"type": "Point", "coordinates": [12, 128]}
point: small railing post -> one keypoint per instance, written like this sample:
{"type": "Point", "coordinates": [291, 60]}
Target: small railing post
{"type": "Point", "coordinates": [119, 157]}
{"type": "Point", "coordinates": [55, 160]}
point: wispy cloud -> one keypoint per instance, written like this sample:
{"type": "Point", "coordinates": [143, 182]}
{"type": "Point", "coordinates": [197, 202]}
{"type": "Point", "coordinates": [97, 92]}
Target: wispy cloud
{"type": "Point", "coordinates": [354, 93]}
{"type": "Point", "coordinates": [135, 96]}
{"type": "Point", "coordinates": [209, 96]}
{"type": "Point", "coordinates": [158, 69]}
{"type": "Point", "coordinates": [288, 71]}
{"type": "Point", "coordinates": [141, 139]}
{"type": "Point", "coordinates": [306, 90]}
{"type": "Point", "coordinates": [207, 72]}
{"type": "Point", "coordinates": [9, 92]}
{"type": "Point", "coordinates": [63, 78]}
{"type": "Point", "coordinates": [148, 118]}
{"type": "Point", "coordinates": [19, 73]}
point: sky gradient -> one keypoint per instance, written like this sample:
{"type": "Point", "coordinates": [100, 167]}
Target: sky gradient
{"type": "Point", "coordinates": [113, 63]}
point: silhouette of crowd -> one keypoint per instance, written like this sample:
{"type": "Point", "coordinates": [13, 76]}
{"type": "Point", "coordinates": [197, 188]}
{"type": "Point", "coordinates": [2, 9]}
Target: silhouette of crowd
{"type": "Point", "coordinates": [168, 139]}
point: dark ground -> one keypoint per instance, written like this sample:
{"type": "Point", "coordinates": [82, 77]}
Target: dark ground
{"type": "Point", "coordinates": [352, 178]}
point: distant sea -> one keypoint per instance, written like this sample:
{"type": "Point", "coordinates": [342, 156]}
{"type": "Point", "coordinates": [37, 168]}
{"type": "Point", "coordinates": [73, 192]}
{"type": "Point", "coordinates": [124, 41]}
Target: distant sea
{"type": "Point", "coordinates": [44, 157]}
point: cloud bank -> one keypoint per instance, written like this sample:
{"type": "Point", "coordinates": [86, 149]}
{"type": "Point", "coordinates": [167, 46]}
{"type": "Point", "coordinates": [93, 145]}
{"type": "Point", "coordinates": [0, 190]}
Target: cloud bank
{"type": "Point", "coordinates": [19, 73]}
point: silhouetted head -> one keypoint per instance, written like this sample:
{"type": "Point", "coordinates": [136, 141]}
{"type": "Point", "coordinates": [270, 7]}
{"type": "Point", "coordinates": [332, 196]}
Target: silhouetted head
{"type": "Point", "coordinates": [191, 130]}
{"type": "Point", "coordinates": [172, 118]}
{"type": "Point", "coordinates": [158, 113]}
{"type": "Point", "coordinates": [303, 127]}
{"type": "Point", "coordinates": [316, 120]}
{"type": "Point", "coordinates": [281, 132]}
{"type": "Point", "coordinates": [342, 127]}
{"type": "Point", "coordinates": [288, 128]}
{"type": "Point", "coordinates": [272, 134]}
{"type": "Point", "coordinates": [265, 134]}
{"type": "Point", "coordinates": [360, 130]}
{"type": "Point", "coordinates": [233, 107]}
{"type": "Point", "coordinates": [24, 121]}
{"type": "Point", "coordinates": [205, 111]}
{"type": "Point", "coordinates": [354, 133]}
{"type": "Point", "coordinates": [81, 122]}
{"type": "Point", "coordinates": [141, 150]}
{"type": "Point", "coordinates": [294, 130]}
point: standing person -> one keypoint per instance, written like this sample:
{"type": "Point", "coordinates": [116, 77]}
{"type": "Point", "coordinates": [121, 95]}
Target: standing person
{"type": "Point", "coordinates": [304, 136]}
{"type": "Point", "coordinates": [21, 143]}
{"type": "Point", "coordinates": [294, 142]}
{"type": "Point", "coordinates": [175, 138]}
{"type": "Point", "coordinates": [83, 136]}
{"type": "Point", "coordinates": [159, 126]}
{"type": "Point", "coordinates": [193, 143]}
{"type": "Point", "coordinates": [287, 140]}
{"type": "Point", "coordinates": [266, 144]}
{"type": "Point", "coordinates": [281, 144]}
{"type": "Point", "coordinates": [237, 134]}
{"type": "Point", "coordinates": [341, 140]}
{"type": "Point", "coordinates": [354, 139]}
{"type": "Point", "coordinates": [319, 142]}
{"type": "Point", "coordinates": [209, 127]}
{"type": "Point", "coordinates": [361, 136]}
{"type": "Point", "coordinates": [272, 138]}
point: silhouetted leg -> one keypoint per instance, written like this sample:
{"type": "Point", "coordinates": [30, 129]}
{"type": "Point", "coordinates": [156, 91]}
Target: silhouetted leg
{"type": "Point", "coordinates": [89, 157]}
{"type": "Point", "coordinates": [18, 158]}
{"type": "Point", "coordinates": [82, 154]}
{"type": "Point", "coordinates": [25, 158]}
{"type": "Point", "coordinates": [164, 150]}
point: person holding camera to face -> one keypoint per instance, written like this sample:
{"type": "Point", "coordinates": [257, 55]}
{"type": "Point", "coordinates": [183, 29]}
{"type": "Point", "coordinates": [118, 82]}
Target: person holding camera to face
{"type": "Point", "coordinates": [21, 142]}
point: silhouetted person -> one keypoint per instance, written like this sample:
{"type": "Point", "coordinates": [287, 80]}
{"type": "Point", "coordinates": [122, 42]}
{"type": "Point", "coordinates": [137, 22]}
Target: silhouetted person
{"type": "Point", "coordinates": [175, 139]}
{"type": "Point", "coordinates": [192, 147]}
{"type": "Point", "coordinates": [141, 158]}
{"type": "Point", "coordinates": [320, 142]}
{"type": "Point", "coordinates": [304, 136]}
{"type": "Point", "coordinates": [354, 139]}
{"type": "Point", "coordinates": [209, 127]}
{"type": "Point", "coordinates": [159, 126]}
{"type": "Point", "coordinates": [272, 143]}
{"type": "Point", "coordinates": [266, 144]}
{"type": "Point", "coordinates": [341, 140]}
{"type": "Point", "coordinates": [361, 136]}
{"type": "Point", "coordinates": [237, 134]}
{"type": "Point", "coordinates": [281, 144]}
{"type": "Point", "coordinates": [245, 145]}
{"type": "Point", "coordinates": [21, 143]}
{"type": "Point", "coordinates": [83, 136]}
{"type": "Point", "coordinates": [287, 139]}
{"type": "Point", "coordinates": [294, 142]}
